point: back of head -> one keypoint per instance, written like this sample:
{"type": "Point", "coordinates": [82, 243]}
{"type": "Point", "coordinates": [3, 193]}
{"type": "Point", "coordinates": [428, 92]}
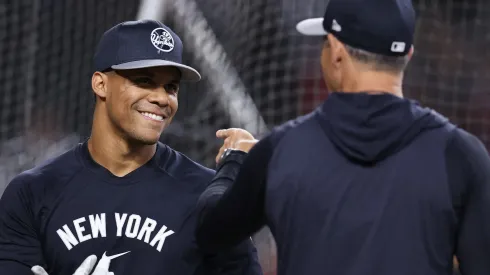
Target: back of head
{"type": "Point", "coordinates": [367, 46]}
{"type": "Point", "coordinates": [362, 39]}
{"type": "Point", "coordinates": [376, 62]}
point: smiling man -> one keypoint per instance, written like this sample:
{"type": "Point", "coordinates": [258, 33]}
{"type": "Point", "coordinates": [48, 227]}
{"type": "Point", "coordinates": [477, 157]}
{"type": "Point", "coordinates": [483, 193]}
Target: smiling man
{"type": "Point", "coordinates": [121, 196]}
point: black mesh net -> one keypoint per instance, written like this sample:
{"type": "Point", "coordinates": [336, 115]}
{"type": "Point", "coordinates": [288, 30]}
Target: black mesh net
{"type": "Point", "coordinates": [46, 63]}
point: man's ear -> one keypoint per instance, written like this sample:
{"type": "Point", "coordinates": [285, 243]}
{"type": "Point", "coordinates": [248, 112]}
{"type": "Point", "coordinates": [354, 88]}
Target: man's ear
{"type": "Point", "coordinates": [410, 53]}
{"type": "Point", "coordinates": [99, 84]}
{"type": "Point", "coordinates": [336, 49]}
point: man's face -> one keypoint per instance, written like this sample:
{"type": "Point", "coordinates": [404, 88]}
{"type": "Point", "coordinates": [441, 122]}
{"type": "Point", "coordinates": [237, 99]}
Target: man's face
{"type": "Point", "coordinates": [141, 103]}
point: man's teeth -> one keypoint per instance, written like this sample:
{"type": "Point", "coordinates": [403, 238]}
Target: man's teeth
{"type": "Point", "coordinates": [152, 116]}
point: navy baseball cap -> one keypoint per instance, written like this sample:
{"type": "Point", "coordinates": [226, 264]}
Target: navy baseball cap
{"type": "Point", "coordinates": [383, 27]}
{"type": "Point", "coordinates": [141, 44]}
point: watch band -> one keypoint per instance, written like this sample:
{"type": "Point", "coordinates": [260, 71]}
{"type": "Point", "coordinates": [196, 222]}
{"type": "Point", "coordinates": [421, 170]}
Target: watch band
{"type": "Point", "coordinates": [232, 155]}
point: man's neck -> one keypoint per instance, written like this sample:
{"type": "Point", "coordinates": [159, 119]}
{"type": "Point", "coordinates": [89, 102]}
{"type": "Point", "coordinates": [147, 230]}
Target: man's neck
{"type": "Point", "coordinates": [375, 82]}
{"type": "Point", "coordinates": [116, 154]}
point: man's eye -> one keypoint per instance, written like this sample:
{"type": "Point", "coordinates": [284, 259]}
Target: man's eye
{"type": "Point", "coordinates": [171, 88]}
{"type": "Point", "coordinates": [146, 81]}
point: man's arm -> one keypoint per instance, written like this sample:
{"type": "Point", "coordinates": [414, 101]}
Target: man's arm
{"type": "Point", "coordinates": [468, 166]}
{"type": "Point", "coordinates": [239, 260]}
{"type": "Point", "coordinates": [20, 248]}
{"type": "Point", "coordinates": [232, 207]}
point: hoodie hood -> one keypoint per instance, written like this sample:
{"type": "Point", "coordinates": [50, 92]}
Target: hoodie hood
{"type": "Point", "coordinates": [370, 127]}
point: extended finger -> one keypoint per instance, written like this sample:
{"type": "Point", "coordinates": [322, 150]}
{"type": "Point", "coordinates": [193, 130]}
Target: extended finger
{"type": "Point", "coordinates": [225, 133]}
{"type": "Point", "coordinates": [222, 133]}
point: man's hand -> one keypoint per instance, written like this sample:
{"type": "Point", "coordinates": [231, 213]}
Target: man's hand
{"type": "Point", "coordinates": [84, 269]}
{"type": "Point", "coordinates": [235, 138]}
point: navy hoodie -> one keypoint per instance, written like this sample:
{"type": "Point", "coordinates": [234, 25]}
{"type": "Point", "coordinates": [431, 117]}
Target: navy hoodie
{"type": "Point", "coordinates": [364, 185]}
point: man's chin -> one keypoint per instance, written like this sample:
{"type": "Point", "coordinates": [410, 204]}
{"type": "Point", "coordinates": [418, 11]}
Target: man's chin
{"type": "Point", "coordinates": [149, 141]}
{"type": "Point", "coordinates": [145, 135]}
{"type": "Point", "coordinates": [142, 140]}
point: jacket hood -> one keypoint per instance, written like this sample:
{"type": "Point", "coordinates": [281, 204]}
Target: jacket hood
{"type": "Point", "coordinates": [370, 127]}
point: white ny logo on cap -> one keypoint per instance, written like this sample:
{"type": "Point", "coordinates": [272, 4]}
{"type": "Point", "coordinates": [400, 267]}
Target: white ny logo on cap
{"type": "Point", "coordinates": [162, 40]}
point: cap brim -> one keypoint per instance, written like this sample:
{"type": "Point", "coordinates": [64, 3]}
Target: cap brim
{"type": "Point", "coordinates": [188, 73]}
{"type": "Point", "coordinates": [311, 26]}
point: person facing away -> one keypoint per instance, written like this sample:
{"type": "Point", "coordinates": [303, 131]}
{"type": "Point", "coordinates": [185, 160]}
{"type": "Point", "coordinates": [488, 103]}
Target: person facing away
{"type": "Point", "coordinates": [369, 183]}
{"type": "Point", "coordinates": [121, 196]}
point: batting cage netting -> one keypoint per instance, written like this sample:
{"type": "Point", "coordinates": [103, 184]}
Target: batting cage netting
{"type": "Point", "coordinates": [257, 70]}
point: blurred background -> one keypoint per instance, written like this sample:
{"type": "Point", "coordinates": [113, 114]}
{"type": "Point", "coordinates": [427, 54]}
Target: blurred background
{"type": "Point", "coordinates": [257, 71]}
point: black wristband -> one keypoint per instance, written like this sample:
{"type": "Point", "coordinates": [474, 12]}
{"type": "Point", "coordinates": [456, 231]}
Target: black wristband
{"type": "Point", "coordinates": [231, 155]}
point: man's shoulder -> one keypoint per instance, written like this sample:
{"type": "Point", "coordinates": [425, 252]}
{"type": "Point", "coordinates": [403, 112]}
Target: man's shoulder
{"type": "Point", "coordinates": [293, 125]}
{"type": "Point", "coordinates": [49, 172]}
{"type": "Point", "coordinates": [180, 166]}
{"type": "Point", "coordinates": [465, 144]}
